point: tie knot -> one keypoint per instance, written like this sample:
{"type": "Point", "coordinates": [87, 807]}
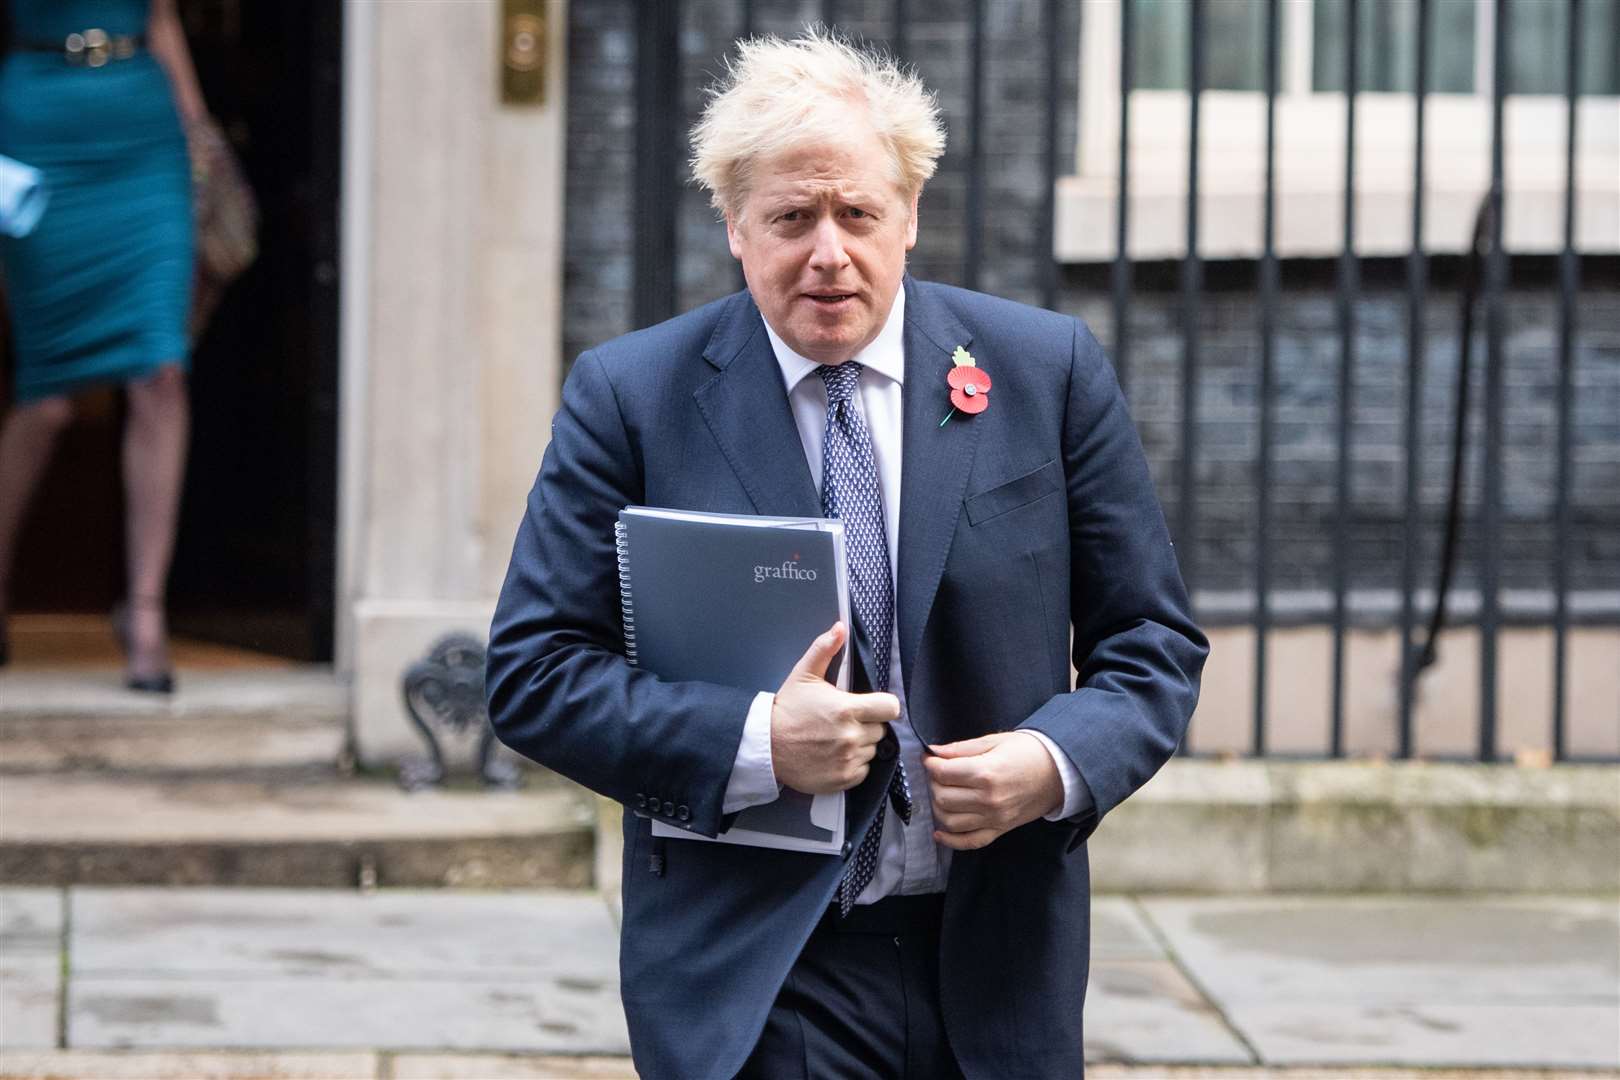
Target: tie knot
{"type": "Point", "coordinates": [840, 380]}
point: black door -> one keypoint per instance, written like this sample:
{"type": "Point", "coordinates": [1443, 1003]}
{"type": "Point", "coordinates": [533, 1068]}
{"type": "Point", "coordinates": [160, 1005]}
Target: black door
{"type": "Point", "coordinates": [254, 564]}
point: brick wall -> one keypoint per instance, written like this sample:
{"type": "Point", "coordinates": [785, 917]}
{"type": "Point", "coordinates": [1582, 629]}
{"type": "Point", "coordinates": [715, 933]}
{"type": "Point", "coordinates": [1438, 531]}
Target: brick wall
{"type": "Point", "coordinates": [1306, 410]}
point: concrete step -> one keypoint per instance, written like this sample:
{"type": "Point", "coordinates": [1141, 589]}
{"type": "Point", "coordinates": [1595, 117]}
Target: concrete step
{"type": "Point", "coordinates": [313, 829]}
{"type": "Point", "coordinates": [1276, 826]}
{"type": "Point", "coordinates": [1290, 827]}
{"type": "Point", "coordinates": [86, 721]}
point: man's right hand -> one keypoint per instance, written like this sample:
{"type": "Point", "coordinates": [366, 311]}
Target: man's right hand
{"type": "Point", "coordinates": [822, 738]}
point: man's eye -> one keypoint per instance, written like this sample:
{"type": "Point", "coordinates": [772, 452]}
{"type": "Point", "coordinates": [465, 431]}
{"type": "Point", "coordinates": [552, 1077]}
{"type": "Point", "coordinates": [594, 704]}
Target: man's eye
{"type": "Point", "coordinates": [792, 215]}
{"type": "Point", "coordinates": [856, 211]}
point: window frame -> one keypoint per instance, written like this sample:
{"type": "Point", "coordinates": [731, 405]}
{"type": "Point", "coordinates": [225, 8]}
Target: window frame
{"type": "Point", "coordinates": [1310, 161]}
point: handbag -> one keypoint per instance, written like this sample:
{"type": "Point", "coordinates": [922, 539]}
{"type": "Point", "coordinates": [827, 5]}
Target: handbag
{"type": "Point", "coordinates": [226, 217]}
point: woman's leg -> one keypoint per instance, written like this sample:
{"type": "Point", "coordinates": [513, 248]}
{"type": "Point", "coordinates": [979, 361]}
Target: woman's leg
{"type": "Point", "coordinates": [27, 438]}
{"type": "Point", "coordinates": [155, 439]}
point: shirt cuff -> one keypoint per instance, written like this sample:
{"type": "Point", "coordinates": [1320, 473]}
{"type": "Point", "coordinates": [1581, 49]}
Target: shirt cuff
{"type": "Point", "coordinates": [753, 778]}
{"type": "Point", "coordinates": [1077, 797]}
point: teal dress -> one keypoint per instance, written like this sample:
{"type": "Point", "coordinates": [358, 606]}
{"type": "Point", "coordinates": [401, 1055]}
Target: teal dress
{"type": "Point", "coordinates": [99, 291]}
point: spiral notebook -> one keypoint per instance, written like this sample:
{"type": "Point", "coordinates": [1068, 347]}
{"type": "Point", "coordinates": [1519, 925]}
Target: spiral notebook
{"type": "Point", "coordinates": [736, 599]}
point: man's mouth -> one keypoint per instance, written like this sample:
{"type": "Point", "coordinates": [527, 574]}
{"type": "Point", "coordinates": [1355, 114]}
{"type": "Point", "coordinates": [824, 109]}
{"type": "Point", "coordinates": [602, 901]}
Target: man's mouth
{"type": "Point", "coordinates": [829, 299]}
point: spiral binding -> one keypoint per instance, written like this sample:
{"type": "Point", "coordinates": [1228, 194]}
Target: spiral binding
{"type": "Point", "coordinates": [627, 609]}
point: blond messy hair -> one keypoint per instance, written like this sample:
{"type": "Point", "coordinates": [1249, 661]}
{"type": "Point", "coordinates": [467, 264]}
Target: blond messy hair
{"type": "Point", "coordinates": [780, 95]}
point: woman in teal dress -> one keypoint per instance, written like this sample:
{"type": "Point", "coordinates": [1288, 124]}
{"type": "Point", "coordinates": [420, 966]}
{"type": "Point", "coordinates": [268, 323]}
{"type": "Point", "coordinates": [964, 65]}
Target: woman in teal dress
{"type": "Point", "coordinates": [96, 94]}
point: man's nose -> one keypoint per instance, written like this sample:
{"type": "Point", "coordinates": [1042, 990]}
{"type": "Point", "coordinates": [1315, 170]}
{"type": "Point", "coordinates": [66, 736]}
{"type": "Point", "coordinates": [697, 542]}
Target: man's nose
{"type": "Point", "coordinates": [828, 252]}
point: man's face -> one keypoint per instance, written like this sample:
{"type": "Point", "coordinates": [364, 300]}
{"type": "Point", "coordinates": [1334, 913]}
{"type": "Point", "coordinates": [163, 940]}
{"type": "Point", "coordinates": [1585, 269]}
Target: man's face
{"type": "Point", "coordinates": [822, 237]}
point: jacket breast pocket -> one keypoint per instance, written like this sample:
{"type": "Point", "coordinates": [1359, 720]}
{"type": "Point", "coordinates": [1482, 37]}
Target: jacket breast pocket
{"type": "Point", "coordinates": [1038, 483]}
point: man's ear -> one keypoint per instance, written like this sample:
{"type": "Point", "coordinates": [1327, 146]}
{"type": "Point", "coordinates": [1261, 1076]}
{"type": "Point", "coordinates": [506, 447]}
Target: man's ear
{"type": "Point", "coordinates": [732, 237]}
{"type": "Point", "coordinates": [911, 225]}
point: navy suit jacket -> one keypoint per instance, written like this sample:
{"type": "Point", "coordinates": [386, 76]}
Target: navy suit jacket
{"type": "Point", "coordinates": [1034, 518]}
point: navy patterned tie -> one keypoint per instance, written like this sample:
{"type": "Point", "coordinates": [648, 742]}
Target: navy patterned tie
{"type": "Point", "coordinates": [849, 492]}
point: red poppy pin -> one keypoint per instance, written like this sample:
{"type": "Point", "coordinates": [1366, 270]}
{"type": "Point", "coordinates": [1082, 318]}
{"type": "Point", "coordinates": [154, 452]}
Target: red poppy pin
{"type": "Point", "coordinates": [970, 386]}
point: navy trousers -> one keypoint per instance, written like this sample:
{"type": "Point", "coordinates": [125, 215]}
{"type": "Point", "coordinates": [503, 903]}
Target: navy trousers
{"type": "Point", "coordinates": [862, 1000]}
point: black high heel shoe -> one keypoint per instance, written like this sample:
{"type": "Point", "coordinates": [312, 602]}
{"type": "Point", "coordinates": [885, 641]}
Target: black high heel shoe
{"type": "Point", "coordinates": [160, 683]}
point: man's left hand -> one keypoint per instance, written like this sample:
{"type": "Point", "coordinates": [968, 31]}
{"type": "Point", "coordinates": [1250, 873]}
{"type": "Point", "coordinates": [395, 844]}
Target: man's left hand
{"type": "Point", "coordinates": [983, 787]}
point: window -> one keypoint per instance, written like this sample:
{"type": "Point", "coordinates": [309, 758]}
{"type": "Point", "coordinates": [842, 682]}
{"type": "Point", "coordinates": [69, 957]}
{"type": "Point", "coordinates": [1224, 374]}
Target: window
{"type": "Point", "coordinates": [1311, 128]}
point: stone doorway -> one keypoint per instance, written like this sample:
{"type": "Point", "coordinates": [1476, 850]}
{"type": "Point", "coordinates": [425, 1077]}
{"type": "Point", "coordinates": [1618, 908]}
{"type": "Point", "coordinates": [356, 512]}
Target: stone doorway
{"type": "Point", "coordinates": [254, 565]}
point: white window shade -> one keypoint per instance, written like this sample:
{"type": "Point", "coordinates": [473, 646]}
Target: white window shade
{"type": "Point", "coordinates": [1310, 167]}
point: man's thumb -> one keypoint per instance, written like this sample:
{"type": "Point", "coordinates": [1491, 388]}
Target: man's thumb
{"type": "Point", "coordinates": [813, 664]}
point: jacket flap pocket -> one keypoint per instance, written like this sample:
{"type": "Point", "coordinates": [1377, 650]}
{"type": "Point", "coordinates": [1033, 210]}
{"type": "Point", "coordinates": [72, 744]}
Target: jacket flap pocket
{"type": "Point", "coordinates": [1043, 480]}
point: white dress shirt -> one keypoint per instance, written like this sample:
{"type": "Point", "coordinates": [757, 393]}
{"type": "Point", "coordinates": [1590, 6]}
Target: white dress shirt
{"type": "Point", "coordinates": [909, 861]}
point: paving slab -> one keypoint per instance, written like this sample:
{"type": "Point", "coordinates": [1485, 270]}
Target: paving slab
{"type": "Point", "coordinates": [1141, 1011]}
{"type": "Point", "coordinates": [1321, 1072]}
{"type": "Point", "coordinates": [1377, 949]}
{"type": "Point", "coordinates": [1139, 1006]}
{"type": "Point", "coordinates": [392, 933]}
{"type": "Point", "coordinates": [1325, 1072]}
{"type": "Point", "coordinates": [1118, 931]}
{"type": "Point", "coordinates": [30, 922]}
{"type": "Point", "coordinates": [517, 984]}
{"type": "Point", "coordinates": [1563, 1035]}
{"type": "Point", "coordinates": [30, 1000]}
{"type": "Point", "coordinates": [1424, 981]}
{"type": "Point", "coordinates": [532, 971]}
{"type": "Point", "coordinates": [105, 1065]}
{"type": "Point", "coordinates": [508, 1067]}
{"type": "Point", "coordinates": [159, 1065]}
{"type": "Point", "coordinates": [30, 966]}
{"type": "Point", "coordinates": [544, 1015]}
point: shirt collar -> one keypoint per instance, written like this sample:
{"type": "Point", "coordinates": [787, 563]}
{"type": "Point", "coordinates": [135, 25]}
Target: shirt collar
{"type": "Point", "coordinates": [886, 355]}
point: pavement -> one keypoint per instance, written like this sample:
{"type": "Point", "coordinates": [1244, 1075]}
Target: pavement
{"type": "Point", "coordinates": [234, 982]}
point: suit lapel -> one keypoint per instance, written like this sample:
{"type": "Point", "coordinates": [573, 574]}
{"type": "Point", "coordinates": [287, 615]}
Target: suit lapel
{"type": "Point", "coordinates": [936, 463]}
{"type": "Point", "coordinates": [746, 408]}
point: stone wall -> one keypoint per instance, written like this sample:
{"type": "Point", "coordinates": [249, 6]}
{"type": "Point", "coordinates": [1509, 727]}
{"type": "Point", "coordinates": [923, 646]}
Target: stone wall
{"type": "Point", "coordinates": [599, 264]}
{"type": "Point", "coordinates": [453, 250]}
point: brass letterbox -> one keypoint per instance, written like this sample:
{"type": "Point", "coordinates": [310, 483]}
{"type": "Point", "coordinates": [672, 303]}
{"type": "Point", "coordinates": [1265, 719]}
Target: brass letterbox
{"type": "Point", "coordinates": [523, 52]}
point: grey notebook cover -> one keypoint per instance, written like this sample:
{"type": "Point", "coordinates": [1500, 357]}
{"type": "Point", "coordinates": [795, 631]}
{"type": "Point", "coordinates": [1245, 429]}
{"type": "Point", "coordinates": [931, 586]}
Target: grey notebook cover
{"type": "Point", "coordinates": [736, 600]}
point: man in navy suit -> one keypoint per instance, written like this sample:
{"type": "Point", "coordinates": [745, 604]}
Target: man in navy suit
{"type": "Point", "coordinates": [996, 501]}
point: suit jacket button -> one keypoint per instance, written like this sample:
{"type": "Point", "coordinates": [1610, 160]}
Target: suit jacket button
{"type": "Point", "coordinates": [641, 801]}
{"type": "Point", "coordinates": [684, 813]}
{"type": "Point", "coordinates": [886, 750]}
{"type": "Point", "coordinates": [847, 847]}
{"type": "Point", "coordinates": [669, 809]}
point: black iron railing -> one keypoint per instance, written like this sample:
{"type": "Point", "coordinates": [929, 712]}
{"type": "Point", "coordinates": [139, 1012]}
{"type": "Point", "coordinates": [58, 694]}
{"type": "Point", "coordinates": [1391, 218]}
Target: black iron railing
{"type": "Point", "coordinates": [660, 157]}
